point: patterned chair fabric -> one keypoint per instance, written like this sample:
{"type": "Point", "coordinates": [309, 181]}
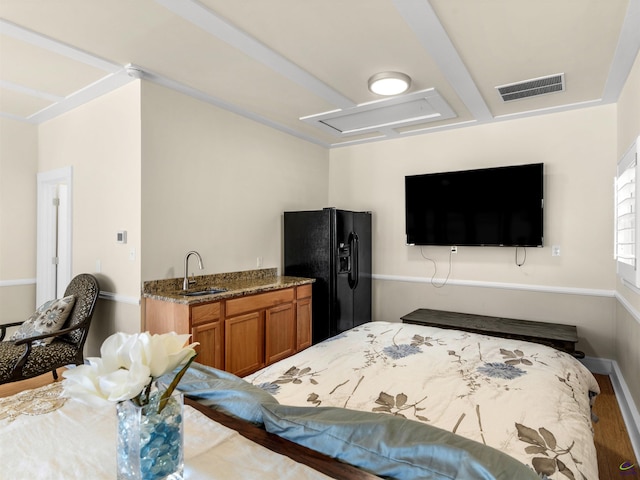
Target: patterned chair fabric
{"type": "Point", "coordinates": [23, 359]}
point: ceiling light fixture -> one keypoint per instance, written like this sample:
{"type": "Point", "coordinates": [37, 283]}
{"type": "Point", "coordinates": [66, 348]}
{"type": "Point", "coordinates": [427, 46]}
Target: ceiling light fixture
{"type": "Point", "coordinates": [389, 83]}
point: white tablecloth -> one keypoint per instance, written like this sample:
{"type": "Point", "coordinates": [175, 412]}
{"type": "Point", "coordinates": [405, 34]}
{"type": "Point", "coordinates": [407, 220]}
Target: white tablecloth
{"type": "Point", "coordinates": [45, 437]}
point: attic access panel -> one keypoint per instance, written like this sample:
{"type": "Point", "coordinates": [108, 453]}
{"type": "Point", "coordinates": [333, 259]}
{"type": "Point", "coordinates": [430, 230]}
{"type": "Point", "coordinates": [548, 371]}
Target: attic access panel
{"type": "Point", "coordinates": [418, 107]}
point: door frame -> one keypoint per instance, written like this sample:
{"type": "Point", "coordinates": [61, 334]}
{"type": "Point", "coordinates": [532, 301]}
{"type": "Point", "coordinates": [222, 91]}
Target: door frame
{"type": "Point", "coordinates": [48, 274]}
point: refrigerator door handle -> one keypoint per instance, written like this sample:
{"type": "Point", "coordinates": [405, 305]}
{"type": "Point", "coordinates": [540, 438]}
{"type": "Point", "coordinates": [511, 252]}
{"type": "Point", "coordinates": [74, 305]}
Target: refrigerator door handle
{"type": "Point", "coordinates": [354, 274]}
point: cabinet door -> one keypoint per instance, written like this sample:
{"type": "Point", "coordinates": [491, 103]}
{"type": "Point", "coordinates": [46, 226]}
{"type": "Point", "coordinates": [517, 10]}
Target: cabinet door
{"type": "Point", "coordinates": [280, 332]}
{"type": "Point", "coordinates": [303, 323]}
{"type": "Point", "coordinates": [244, 343]}
{"type": "Point", "coordinates": [210, 352]}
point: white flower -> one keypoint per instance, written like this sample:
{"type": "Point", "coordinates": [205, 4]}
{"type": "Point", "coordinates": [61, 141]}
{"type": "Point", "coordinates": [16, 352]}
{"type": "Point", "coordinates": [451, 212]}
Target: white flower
{"type": "Point", "coordinates": [115, 350]}
{"type": "Point", "coordinates": [127, 366]}
{"type": "Point", "coordinates": [125, 384]}
{"type": "Point", "coordinates": [161, 353]}
{"type": "Point", "coordinates": [82, 382]}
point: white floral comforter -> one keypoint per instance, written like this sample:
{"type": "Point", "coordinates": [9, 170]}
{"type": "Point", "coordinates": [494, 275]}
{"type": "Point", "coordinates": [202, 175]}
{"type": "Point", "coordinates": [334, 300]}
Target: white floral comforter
{"type": "Point", "coordinates": [527, 400]}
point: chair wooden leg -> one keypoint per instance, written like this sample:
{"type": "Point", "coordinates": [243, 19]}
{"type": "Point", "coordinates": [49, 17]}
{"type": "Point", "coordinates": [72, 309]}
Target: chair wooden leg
{"type": "Point", "coordinates": [55, 374]}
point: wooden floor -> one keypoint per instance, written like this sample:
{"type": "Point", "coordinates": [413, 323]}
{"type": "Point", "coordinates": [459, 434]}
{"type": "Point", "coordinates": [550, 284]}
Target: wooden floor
{"type": "Point", "coordinates": [612, 440]}
{"type": "Point", "coordinates": [15, 387]}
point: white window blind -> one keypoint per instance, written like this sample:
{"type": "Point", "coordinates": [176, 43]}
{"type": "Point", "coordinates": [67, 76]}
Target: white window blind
{"type": "Point", "coordinates": [625, 214]}
{"type": "Point", "coordinates": [627, 246]}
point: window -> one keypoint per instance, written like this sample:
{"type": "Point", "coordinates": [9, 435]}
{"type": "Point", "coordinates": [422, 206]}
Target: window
{"type": "Point", "coordinates": [627, 246]}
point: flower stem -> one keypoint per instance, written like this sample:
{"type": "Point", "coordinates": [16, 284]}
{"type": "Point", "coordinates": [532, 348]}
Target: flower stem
{"type": "Point", "coordinates": [164, 399]}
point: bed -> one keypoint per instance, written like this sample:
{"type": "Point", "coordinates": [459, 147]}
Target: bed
{"type": "Point", "coordinates": [396, 400]}
{"type": "Point", "coordinates": [46, 436]}
{"type": "Point", "coordinates": [529, 401]}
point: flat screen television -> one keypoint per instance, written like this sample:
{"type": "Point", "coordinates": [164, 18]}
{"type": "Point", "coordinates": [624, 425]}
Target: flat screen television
{"type": "Point", "coordinates": [500, 206]}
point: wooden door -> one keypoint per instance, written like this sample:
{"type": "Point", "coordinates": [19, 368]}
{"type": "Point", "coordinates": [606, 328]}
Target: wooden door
{"type": "Point", "coordinates": [303, 323]}
{"type": "Point", "coordinates": [210, 351]}
{"type": "Point", "coordinates": [244, 343]}
{"type": "Point", "coordinates": [280, 332]}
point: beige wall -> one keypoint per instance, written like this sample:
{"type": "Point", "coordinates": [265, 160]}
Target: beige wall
{"type": "Point", "coordinates": [101, 141]}
{"type": "Point", "coordinates": [578, 149]}
{"type": "Point", "coordinates": [215, 182]}
{"type": "Point", "coordinates": [179, 174]}
{"type": "Point", "coordinates": [18, 170]}
{"type": "Point", "coordinates": [627, 328]}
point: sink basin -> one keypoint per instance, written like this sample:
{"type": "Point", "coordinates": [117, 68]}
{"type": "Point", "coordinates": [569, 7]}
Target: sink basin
{"type": "Point", "coordinates": [208, 291]}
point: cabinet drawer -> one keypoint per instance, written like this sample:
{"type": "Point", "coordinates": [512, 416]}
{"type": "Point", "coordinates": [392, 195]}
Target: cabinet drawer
{"type": "Point", "coordinates": [258, 302]}
{"type": "Point", "coordinates": [304, 291]}
{"type": "Point", "coordinates": [207, 312]}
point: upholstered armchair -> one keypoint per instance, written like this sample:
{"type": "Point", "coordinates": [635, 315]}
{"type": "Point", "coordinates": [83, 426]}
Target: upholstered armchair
{"type": "Point", "coordinates": [23, 356]}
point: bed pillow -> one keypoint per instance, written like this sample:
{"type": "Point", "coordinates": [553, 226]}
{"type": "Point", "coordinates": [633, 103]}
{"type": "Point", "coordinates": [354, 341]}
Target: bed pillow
{"type": "Point", "coordinates": [224, 391]}
{"type": "Point", "coordinates": [48, 318]}
{"type": "Point", "coordinates": [391, 446]}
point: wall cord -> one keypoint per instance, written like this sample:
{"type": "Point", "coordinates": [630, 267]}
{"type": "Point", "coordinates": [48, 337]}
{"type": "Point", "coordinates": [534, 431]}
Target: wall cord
{"type": "Point", "coordinates": [435, 269]}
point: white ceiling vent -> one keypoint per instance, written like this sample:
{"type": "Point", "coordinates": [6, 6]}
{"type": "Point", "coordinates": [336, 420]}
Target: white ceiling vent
{"type": "Point", "coordinates": [383, 115]}
{"type": "Point", "coordinates": [532, 88]}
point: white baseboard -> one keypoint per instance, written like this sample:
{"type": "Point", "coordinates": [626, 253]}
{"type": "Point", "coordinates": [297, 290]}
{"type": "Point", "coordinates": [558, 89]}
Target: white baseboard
{"type": "Point", "coordinates": [113, 297]}
{"type": "Point", "coordinates": [601, 366]}
{"type": "Point", "coordinates": [628, 408]}
{"type": "Point", "coordinates": [116, 297]}
{"type": "Point", "coordinates": [590, 292]}
{"type": "Point", "coordinates": [17, 282]}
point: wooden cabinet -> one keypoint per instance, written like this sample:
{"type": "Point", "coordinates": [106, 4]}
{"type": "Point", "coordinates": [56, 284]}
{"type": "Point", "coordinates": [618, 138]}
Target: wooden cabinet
{"type": "Point", "coordinates": [207, 329]}
{"type": "Point", "coordinates": [280, 333]}
{"type": "Point", "coordinates": [268, 330]}
{"type": "Point", "coordinates": [243, 334]}
{"type": "Point", "coordinates": [244, 343]}
{"type": "Point", "coordinates": [202, 321]}
{"type": "Point", "coordinates": [303, 317]}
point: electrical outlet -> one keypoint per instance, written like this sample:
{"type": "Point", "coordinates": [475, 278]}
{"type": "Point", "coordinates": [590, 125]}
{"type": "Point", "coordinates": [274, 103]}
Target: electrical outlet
{"type": "Point", "coordinates": [259, 262]}
{"type": "Point", "coordinates": [454, 249]}
{"type": "Point", "coordinates": [555, 251]}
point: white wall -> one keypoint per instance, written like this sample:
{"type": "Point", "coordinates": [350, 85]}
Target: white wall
{"type": "Point", "coordinates": [18, 170]}
{"type": "Point", "coordinates": [627, 328]}
{"type": "Point", "coordinates": [101, 140]}
{"type": "Point", "coordinates": [175, 173]}
{"type": "Point", "coordinates": [179, 174]}
{"type": "Point", "coordinates": [578, 149]}
{"type": "Point", "coordinates": [218, 183]}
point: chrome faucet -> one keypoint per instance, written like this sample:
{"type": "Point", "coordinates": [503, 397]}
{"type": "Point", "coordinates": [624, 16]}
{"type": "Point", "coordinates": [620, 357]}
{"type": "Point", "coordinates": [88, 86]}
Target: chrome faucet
{"type": "Point", "coordinates": [186, 282]}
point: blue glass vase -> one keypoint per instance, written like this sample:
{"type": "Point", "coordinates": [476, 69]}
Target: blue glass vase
{"type": "Point", "coordinates": [150, 443]}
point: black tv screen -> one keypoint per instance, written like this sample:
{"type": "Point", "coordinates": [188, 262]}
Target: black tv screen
{"type": "Point", "coordinates": [500, 206]}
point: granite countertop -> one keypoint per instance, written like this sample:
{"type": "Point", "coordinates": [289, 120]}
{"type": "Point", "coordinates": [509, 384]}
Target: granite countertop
{"type": "Point", "coordinates": [236, 284]}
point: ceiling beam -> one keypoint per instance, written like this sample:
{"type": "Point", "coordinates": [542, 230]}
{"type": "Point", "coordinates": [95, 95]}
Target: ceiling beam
{"type": "Point", "coordinates": [210, 22]}
{"type": "Point", "coordinates": [424, 22]}
{"type": "Point", "coordinates": [42, 41]}
{"type": "Point", "coordinates": [626, 52]}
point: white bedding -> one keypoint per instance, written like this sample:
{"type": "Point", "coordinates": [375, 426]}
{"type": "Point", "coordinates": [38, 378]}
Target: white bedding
{"type": "Point", "coordinates": [527, 400]}
{"type": "Point", "coordinates": [43, 436]}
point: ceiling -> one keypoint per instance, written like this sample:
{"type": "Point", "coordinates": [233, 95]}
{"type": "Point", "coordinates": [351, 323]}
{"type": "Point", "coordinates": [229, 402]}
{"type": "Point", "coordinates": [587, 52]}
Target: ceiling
{"type": "Point", "coordinates": [302, 66]}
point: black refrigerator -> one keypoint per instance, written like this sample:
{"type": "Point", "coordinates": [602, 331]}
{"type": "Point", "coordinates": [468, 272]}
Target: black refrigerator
{"type": "Point", "coordinates": [334, 247]}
